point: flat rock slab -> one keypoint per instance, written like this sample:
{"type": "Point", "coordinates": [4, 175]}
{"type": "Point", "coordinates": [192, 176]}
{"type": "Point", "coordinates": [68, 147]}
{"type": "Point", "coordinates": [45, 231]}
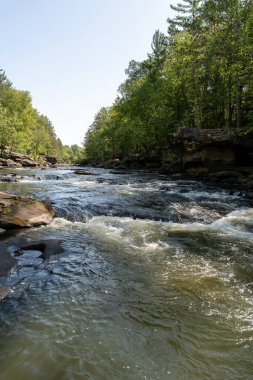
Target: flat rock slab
{"type": "Point", "coordinates": [19, 212]}
{"type": "Point", "coordinates": [7, 262]}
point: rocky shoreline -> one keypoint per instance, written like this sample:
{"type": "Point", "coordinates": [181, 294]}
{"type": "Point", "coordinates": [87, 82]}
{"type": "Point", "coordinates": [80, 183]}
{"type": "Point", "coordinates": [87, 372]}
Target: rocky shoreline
{"type": "Point", "coordinates": [219, 158]}
{"type": "Point", "coordinates": [223, 160]}
{"type": "Point", "coordinates": [9, 159]}
{"type": "Point", "coordinates": [16, 213]}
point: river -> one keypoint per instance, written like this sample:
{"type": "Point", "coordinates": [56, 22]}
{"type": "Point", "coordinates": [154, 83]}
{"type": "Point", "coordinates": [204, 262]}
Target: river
{"type": "Point", "coordinates": [155, 283]}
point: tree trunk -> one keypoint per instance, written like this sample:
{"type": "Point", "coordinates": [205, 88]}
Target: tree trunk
{"type": "Point", "coordinates": [230, 111]}
{"type": "Point", "coordinates": [238, 101]}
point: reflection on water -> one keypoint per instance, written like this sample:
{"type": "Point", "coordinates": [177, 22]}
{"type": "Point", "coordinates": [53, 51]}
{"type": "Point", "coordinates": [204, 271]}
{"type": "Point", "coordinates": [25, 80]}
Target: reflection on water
{"type": "Point", "coordinates": [154, 284]}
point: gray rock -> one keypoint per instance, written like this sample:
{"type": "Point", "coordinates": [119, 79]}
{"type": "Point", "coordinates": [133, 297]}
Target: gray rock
{"type": "Point", "coordinates": [46, 247]}
{"type": "Point", "coordinates": [7, 262]}
{"type": "Point", "coordinates": [6, 162]}
{"type": "Point", "coordinates": [84, 172]}
{"type": "Point", "coordinates": [3, 292]}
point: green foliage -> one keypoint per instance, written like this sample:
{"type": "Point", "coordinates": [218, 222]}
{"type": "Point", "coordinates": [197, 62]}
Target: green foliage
{"type": "Point", "coordinates": [22, 127]}
{"type": "Point", "coordinates": [199, 75]}
{"type": "Point", "coordinates": [73, 154]}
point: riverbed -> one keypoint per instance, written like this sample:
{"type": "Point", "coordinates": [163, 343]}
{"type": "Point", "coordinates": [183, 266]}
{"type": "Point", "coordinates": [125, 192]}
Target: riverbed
{"type": "Point", "coordinates": [155, 283]}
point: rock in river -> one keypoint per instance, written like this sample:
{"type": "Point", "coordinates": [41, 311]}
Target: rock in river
{"type": "Point", "coordinates": [47, 248]}
{"type": "Point", "coordinates": [83, 172]}
{"type": "Point", "coordinates": [7, 262]}
{"type": "Point", "coordinates": [3, 292]}
{"type": "Point", "coordinates": [17, 211]}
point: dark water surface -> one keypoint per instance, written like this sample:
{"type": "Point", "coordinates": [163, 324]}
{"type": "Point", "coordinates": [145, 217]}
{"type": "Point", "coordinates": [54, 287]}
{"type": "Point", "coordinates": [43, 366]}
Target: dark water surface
{"type": "Point", "coordinates": [156, 282]}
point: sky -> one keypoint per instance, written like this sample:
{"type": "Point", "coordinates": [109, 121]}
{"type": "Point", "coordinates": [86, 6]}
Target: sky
{"type": "Point", "coordinates": [71, 55]}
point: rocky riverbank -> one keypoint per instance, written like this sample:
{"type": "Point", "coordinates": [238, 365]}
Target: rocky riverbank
{"type": "Point", "coordinates": [9, 159]}
{"type": "Point", "coordinates": [221, 158]}
{"type": "Point", "coordinates": [18, 212]}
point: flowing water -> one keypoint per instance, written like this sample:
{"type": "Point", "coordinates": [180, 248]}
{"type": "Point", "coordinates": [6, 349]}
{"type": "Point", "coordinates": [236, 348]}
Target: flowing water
{"type": "Point", "coordinates": [156, 282]}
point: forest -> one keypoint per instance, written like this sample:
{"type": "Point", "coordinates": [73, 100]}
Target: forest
{"type": "Point", "coordinates": [198, 74]}
{"type": "Point", "coordinates": [23, 129]}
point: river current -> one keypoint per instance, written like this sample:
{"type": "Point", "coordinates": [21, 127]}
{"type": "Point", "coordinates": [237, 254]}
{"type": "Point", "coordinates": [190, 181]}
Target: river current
{"type": "Point", "coordinates": [155, 283]}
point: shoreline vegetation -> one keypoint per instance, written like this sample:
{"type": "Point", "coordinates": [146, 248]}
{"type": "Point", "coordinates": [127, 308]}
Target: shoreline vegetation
{"type": "Point", "coordinates": [185, 111]}
{"type": "Point", "coordinates": [135, 257]}
{"type": "Point", "coordinates": [195, 83]}
{"type": "Point", "coordinates": [25, 130]}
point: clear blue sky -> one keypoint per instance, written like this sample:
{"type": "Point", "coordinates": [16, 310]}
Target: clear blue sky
{"type": "Point", "coordinates": [71, 54]}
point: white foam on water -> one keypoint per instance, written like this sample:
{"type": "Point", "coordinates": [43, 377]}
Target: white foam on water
{"type": "Point", "coordinates": [87, 183]}
{"type": "Point", "coordinates": [227, 225]}
{"type": "Point", "coordinates": [211, 283]}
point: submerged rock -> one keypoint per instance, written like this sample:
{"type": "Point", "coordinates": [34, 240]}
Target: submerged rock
{"type": "Point", "coordinates": [84, 172]}
{"type": "Point", "coordinates": [13, 177]}
{"type": "Point", "coordinates": [7, 262]}
{"type": "Point", "coordinates": [17, 211]}
{"type": "Point", "coordinates": [225, 174]}
{"type": "Point", "coordinates": [120, 172]}
{"type": "Point", "coordinates": [46, 247]}
{"type": "Point", "coordinates": [3, 292]}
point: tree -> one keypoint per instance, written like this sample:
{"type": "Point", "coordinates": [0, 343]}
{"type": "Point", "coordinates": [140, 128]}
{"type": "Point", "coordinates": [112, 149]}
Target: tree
{"type": "Point", "coordinates": [199, 75]}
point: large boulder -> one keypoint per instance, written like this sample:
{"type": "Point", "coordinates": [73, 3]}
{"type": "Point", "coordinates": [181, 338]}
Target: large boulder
{"type": "Point", "coordinates": [17, 212]}
{"type": "Point", "coordinates": [52, 160]}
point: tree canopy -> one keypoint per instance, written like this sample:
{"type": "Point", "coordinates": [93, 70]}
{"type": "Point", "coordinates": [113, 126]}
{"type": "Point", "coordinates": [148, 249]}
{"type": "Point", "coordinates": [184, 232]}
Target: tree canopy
{"type": "Point", "coordinates": [25, 130]}
{"type": "Point", "coordinates": [199, 74]}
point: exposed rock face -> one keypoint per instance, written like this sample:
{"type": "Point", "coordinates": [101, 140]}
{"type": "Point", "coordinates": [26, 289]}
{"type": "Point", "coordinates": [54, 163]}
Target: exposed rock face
{"type": "Point", "coordinates": [28, 162]}
{"type": "Point", "coordinates": [13, 159]}
{"type": "Point", "coordinates": [206, 136]}
{"type": "Point", "coordinates": [7, 163]}
{"type": "Point", "coordinates": [217, 154]}
{"type": "Point", "coordinates": [52, 160]}
{"type": "Point", "coordinates": [17, 160]}
{"type": "Point", "coordinates": [17, 212]}
{"type": "Point", "coordinates": [47, 161]}
{"type": "Point", "coordinates": [212, 149]}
